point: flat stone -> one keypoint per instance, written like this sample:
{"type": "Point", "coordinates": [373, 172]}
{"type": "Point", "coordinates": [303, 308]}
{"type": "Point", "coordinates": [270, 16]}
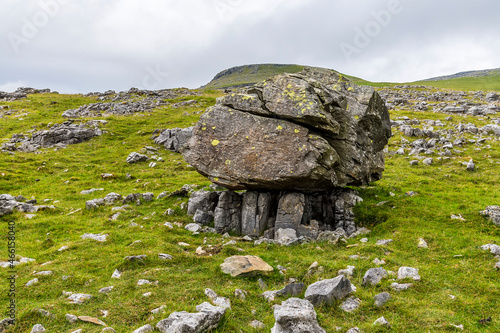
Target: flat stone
{"type": "Point", "coordinates": [400, 286]}
{"type": "Point", "coordinates": [381, 299]}
{"type": "Point", "coordinates": [374, 275]}
{"type": "Point", "coordinates": [351, 304]}
{"type": "Point", "coordinates": [296, 315]}
{"type": "Point", "coordinates": [245, 265]}
{"type": "Point", "coordinates": [327, 291]}
{"type": "Point", "coordinates": [78, 298]}
{"type": "Point", "coordinates": [408, 272]}
{"type": "Point", "coordinates": [144, 329]}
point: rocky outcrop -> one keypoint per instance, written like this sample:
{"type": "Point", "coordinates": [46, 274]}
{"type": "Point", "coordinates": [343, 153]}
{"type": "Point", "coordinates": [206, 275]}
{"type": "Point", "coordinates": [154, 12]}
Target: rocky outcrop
{"type": "Point", "coordinates": [174, 139]}
{"type": "Point", "coordinates": [308, 132]}
{"type": "Point", "coordinates": [493, 213]}
{"type": "Point", "coordinates": [9, 204]}
{"type": "Point", "coordinates": [58, 135]}
{"type": "Point", "coordinates": [21, 93]}
{"type": "Point", "coordinates": [254, 213]}
{"type": "Point", "coordinates": [296, 315]}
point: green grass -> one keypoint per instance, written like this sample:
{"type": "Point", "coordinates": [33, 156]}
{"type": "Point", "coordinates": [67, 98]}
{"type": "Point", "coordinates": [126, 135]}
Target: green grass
{"type": "Point", "coordinates": [444, 188]}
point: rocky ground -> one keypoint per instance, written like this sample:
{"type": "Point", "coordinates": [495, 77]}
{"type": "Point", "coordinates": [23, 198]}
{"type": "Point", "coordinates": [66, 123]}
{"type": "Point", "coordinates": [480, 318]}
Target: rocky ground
{"type": "Point", "coordinates": [444, 134]}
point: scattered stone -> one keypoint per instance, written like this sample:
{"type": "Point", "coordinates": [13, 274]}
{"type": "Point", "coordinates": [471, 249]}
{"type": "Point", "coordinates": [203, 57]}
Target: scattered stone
{"type": "Point", "coordinates": [471, 166]}
{"type": "Point", "coordinates": [240, 294]}
{"type": "Point", "coordinates": [142, 282]}
{"type": "Point", "coordinates": [97, 237]}
{"type": "Point", "coordinates": [31, 282]}
{"type": "Point", "coordinates": [257, 324]}
{"type": "Point", "coordinates": [92, 320]}
{"type": "Point", "coordinates": [159, 310]}
{"type": "Point", "coordinates": [494, 249]}
{"type": "Point", "coordinates": [296, 315]}
{"type": "Point", "coordinates": [493, 213]}
{"type": "Point", "coordinates": [78, 298]}
{"type": "Point", "coordinates": [460, 327]}
{"type": "Point", "coordinates": [165, 256]}
{"type": "Point", "coordinates": [91, 190]}
{"type": "Point", "coordinates": [428, 161]}
{"type": "Point", "coordinates": [38, 328]}
{"type": "Point", "coordinates": [326, 291]}
{"type": "Point", "coordinates": [193, 227]}
{"type": "Point", "coordinates": [414, 162]}
{"type": "Point", "coordinates": [71, 318]}
{"type": "Point", "coordinates": [284, 236]}
{"type": "Point", "coordinates": [457, 217]}
{"type": "Point", "coordinates": [384, 242]}
{"type": "Point", "coordinates": [223, 302]}
{"type": "Point", "coordinates": [116, 274]}
{"type": "Point", "coordinates": [136, 258]}
{"type": "Point", "coordinates": [347, 272]}
{"type": "Point", "coordinates": [354, 330]}
{"type": "Point", "coordinates": [292, 290]}
{"type": "Point", "coordinates": [244, 265]}
{"type": "Point", "coordinates": [351, 304]}
{"type": "Point", "coordinates": [400, 287]}
{"type": "Point", "coordinates": [174, 139]}
{"type": "Point", "coordinates": [422, 243]}
{"type": "Point", "coordinates": [382, 322]}
{"type": "Point", "coordinates": [381, 299]}
{"type": "Point", "coordinates": [106, 290]}
{"type": "Point", "coordinates": [44, 273]}
{"type": "Point", "coordinates": [262, 284]}
{"type": "Point", "coordinates": [136, 157]}
{"type": "Point", "coordinates": [183, 244]}
{"type": "Point", "coordinates": [108, 329]}
{"type": "Point", "coordinates": [408, 272]}
{"type": "Point", "coordinates": [378, 262]}
{"type": "Point", "coordinates": [144, 329]}
{"type": "Point", "coordinates": [374, 275]}
{"type": "Point", "coordinates": [206, 319]}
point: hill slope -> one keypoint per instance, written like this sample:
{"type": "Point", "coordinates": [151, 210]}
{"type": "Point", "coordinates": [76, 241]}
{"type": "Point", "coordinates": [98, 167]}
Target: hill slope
{"type": "Point", "coordinates": [487, 80]}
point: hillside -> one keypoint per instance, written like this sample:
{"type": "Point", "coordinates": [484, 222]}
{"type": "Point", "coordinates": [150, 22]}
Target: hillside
{"type": "Point", "coordinates": [426, 197]}
{"type": "Point", "coordinates": [486, 80]}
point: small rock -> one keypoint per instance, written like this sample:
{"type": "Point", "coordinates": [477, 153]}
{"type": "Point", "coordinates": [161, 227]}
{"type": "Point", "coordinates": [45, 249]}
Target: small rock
{"type": "Point", "coordinates": [71, 318]}
{"type": "Point", "coordinates": [384, 242]}
{"type": "Point", "coordinates": [168, 225]}
{"type": "Point", "coordinates": [31, 282]}
{"type": "Point", "coordinates": [159, 310]}
{"type": "Point", "coordinates": [422, 243]}
{"type": "Point", "coordinates": [382, 322]}
{"type": "Point", "coordinates": [165, 256]}
{"type": "Point", "coordinates": [350, 304]}
{"type": "Point", "coordinates": [44, 273]}
{"type": "Point", "coordinates": [78, 298]}
{"type": "Point", "coordinates": [296, 315]}
{"type": "Point", "coordinates": [292, 290]}
{"type": "Point", "coordinates": [378, 262]}
{"type": "Point", "coordinates": [92, 320]}
{"type": "Point", "coordinates": [381, 299]}
{"type": "Point", "coordinates": [38, 328]}
{"type": "Point", "coordinates": [460, 327]}
{"type": "Point", "coordinates": [408, 272]}
{"type": "Point", "coordinates": [183, 244]}
{"type": "Point", "coordinates": [326, 291]}
{"type": "Point", "coordinates": [414, 162]}
{"type": "Point", "coordinates": [262, 284]}
{"type": "Point", "coordinates": [147, 294]}
{"type": "Point", "coordinates": [374, 275]}
{"type": "Point", "coordinates": [106, 290]}
{"type": "Point", "coordinates": [116, 274]}
{"type": "Point", "coordinates": [471, 166]}
{"type": "Point", "coordinates": [428, 161]}
{"type": "Point", "coordinates": [240, 294]}
{"type": "Point", "coordinates": [136, 258]}
{"type": "Point", "coordinates": [142, 282]}
{"type": "Point", "coordinates": [364, 240]}
{"type": "Point", "coordinates": [62, 248]}
{"type": "Point", "coordinates": [347, 272]}
{"type": "Point", "coordinates": [354, 330]}
{"type": "Point", "coordinates": [193, 227]}
{"type": "Point", "coordinates": [257, 324]}
{"type": "Point", "coordinates": [97, 237]}
{"type": "Point", "coordinates": [400, 287]}
{"type": "Point", "coordinates": [244, 265]}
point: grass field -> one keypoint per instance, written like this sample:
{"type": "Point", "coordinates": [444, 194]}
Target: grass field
{"type": "Point", "coordinates": [452, 265]}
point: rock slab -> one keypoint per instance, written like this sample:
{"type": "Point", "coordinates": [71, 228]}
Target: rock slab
{"type": "Point", "coordinates": [296, 315]}
{"type": "Point", "coordinates": [245, 265]}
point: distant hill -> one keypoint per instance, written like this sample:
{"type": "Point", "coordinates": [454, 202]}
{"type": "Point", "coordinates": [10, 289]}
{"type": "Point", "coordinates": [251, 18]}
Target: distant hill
{"type": "Point", "coordinates": [241, 76]}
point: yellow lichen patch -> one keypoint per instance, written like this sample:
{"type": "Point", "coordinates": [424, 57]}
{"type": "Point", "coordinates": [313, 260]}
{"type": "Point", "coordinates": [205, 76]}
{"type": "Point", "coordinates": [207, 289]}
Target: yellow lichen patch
{"type": "Point", "coordinates": [213, 127]}
{"type": "Point", "coordinates": [247, 137]}
{"type": "Point", "coordinates": [253, 147]}
{"type": "Point", "coordinates": [216, 179]}
{"type": "Point", "coordinates": [356, 117]}
{"type": "Point", "coordinates": [297, 130]}
{"type": "Point", "coordinates": [289, 86]}
{"type": "Point", "coordinates": [215, 142]}
{"type": "Point", "coordinates": [279, 128]}
{"type": "Point", "coordinates": [350, 89]}
{"type": "Point", "coordinates": [228, 162]}
{"type": "Point", "coordinates": [203, 128]}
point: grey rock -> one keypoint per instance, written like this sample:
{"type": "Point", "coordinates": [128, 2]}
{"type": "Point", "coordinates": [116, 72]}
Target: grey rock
{"type": "Point", "coordinates": [207, 318]}
{"type": "Point", "coordinates": [31, 282]}
{"type": "Point", "coordinates": [400, 286]}
{"type": "Point", "coordinates": [144, 329]}
{"type": "Point", "coordinates": [257, 324]}
{"type": "Point", "coordinates": [414, 162]}
{"type": "Point", "coordinates": [78, 298]}
{"type": "Point", "coordinates": [255, 212]}
{"type": "Point", "coordinates": [354, 330]}
{"type": "Point", "coordinates": [290, 211]}
{"type": "Point", "coordinates": [428, 161]}
{"type": "Point", "coordinates": [106, 290]}
{"type": "Point", "coordinates": [384, 242]}
{"type": "Point", "coordinates": [108, 329]}
{"type": "Point", "coordinates": [202, 201]}
{"type": "Point", "coordinates": [382, 322]}
{"type": "Point", "coordinates": [494, 249]}
{"type": "Point", "coordinates": [296, 315]}
{"type": "Point", "coordinates": [408, 272]}
{"type": "Point", "coordinates": [491, 97]}
{"type": "Point", "coordinates": [493, 129]}
{"type": "Point", "coordinates": [203, 218]}
{"type": "Point", "coordinates": [165, 256]}
{"type": "Point", "coordinates": [136, 258]}
{"type": "Point", "coordinates": [240, 294]}
{"type": "Point", "coordinates": [284, 236]}
{"type": "Point", "coordinates": [348, 272]}
{"type": "Point", "coordinates": [112, 197]}
{"type": "Point", "coordinates": [320, 132]}
{"type": "Point", "coordinates": [175, 138]}
{"type": "Point", "coordinates": [227, 214]}
{"type": "Point", "coordinates": [94, 204]}
{"type": "Point", "coordinates": [135, 157]}
{"type": "Point", "coordinates": [493, 213]}
{"type": "Point", "coordinates": [471, 166]}
{"type": "Point", "coordinates": [351, 304]}
{"type": "Point", "coordinates": [71, 318]}
{"type": "Point", "coordinates": [292, 290]}
{"type": "Point", "coordinates": [96, 237]}
{"type": "Point", "coordinates": [193, 227]}
{"type": "Point", "coordinates": [374, 275]}
{"type": "Point", "coordinates": [381, 299]}
{"type": "Point", "coordinates": [326, 291]}
{"type": "Point", "coordinates": [38, 328]}
{"type": "Point", "coordinates": [332, 236]}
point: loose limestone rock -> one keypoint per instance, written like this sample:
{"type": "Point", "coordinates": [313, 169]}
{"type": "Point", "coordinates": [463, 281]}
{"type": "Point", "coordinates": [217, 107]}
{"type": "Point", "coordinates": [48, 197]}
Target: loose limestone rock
{"type": "Point", "coordinates": [408, 272]}
{"type": "Point", "coordinates": [207, 318]}
{"type": "Point", "coordinates": [296, 315]}
{"type": "Point", "coordinates": [311, 131]}
{"type": "Point", "coordinates": [493, 213]}
{"type": "Point", "coordinates": [244, 265]}
{"type": "Point", "coordinates": [374, 275]}
{"type": "Point", "coordinates": [326, 291]}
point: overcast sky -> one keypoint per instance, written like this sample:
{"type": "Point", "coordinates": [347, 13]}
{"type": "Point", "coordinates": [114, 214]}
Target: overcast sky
{"type": "Point", "coordinates": [90, 45]}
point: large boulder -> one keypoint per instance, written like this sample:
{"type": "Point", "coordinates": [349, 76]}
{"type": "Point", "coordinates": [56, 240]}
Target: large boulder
{"type": "Point", "coordinates": [296, 315]}
{"type": "Point", "coordinates": [311, 131]}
